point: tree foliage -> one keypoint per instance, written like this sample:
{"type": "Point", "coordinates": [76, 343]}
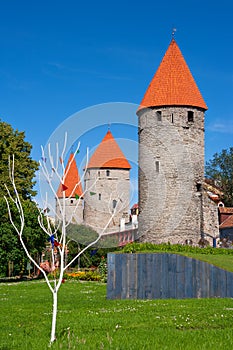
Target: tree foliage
{"type": "Point", "coordinates": [220, 169]}
{"type": "Point", "coordinates": [13, 142]}
{"type": "Point", "coordinates": [10, 246]}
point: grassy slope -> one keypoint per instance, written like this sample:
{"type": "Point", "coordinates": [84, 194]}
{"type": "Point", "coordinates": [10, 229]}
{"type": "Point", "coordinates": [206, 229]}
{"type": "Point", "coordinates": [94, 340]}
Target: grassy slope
{"type": "Point", "coordinates": [222, 258]}
{"type": "Point", "coordinates": [86, 320]}
{"type": "Point", "coordinates": [223, 261]}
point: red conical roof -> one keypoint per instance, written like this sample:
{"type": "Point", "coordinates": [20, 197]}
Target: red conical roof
{"type": "Point", "coordinates": [173, 83]}
{"type": "Point", "coordinates": [108, 155]}
{"type": "Point", "coordinates": [70, 181]}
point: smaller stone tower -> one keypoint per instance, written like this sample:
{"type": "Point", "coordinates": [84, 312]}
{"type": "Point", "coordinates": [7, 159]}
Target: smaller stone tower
{"type": "Point", "coordinates": [107, 186]}
{"type": "Point", "coordinates": [70, 192]}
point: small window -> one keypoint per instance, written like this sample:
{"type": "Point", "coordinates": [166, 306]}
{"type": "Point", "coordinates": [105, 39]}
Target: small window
{"type": "Point", "coordinates": [99, 196]}
{"type": "Point", "coordinates": [99, 173]}
{"type": "Point", "coordinates": [114, 203]}
{"type": "Point", "coordinates": [199, 187]}
{"type": "Point", "coordinates": [107, 172]}
{"type": "Point", "coordinates": [190, 116]}
{"type": "Point", "coordinates": [159, 116]}
{"type": "Point", "coordinates": [172, 118]}
{"type": "Point", "coordinates": [157, 166]}
{"type": "Point", "coordinates": [71, 201]}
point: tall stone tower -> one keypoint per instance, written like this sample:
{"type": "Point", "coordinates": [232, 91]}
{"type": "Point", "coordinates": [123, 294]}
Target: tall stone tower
{"type": "Point", "coordinates": [70, 193]}
{"type": "Point", "coordinates": [171, 154]}
{"type": "Point", "coordinates": [107, 186]}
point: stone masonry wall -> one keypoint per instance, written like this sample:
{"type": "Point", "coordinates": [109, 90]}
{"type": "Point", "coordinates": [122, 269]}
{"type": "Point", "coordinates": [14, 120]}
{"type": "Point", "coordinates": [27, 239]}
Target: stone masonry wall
{"type": "Point", "coordinates": [71, 210]}
{"type": "Point", "coordinates": [103, 192]}
{"type": "Point", "coordinates": [210, 216]}
{"type": "Point", "coordinates": [171, 172]}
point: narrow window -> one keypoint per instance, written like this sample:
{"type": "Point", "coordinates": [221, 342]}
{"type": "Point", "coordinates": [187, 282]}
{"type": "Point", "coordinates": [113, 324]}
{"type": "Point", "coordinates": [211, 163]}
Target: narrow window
{"type": "Point", "coordinates": [114, 203]}
{"type": "Point", "coordinates": [157, 166]}
{"type": "Point", "coordinates": [159, 116]}
{"type": "Point", "coordinates": [71, 201]}
{"type": "Point", "coordinates": [107, 172]}
{"type": "Point", "coordinates": [99, 173]}
{"type": "Point", "coordinates": [190, 116]}
{"type": "Point", "coordinates": [198, 185]}
{"type": "Point", "coordinates": [99, 196]}
{"type": "Point", "coordinates": [172, 118]}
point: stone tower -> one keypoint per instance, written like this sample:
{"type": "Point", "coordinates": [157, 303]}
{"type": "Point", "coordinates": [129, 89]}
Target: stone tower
{"type": "Point", "coordinates": [171, 154]}
{"type": "Point", "coordinates": [107, 186]}
{"type": "Point", "coordinates": [70, 192]}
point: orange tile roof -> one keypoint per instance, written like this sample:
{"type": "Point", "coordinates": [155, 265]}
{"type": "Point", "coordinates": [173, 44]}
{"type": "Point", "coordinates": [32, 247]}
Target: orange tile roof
{"type": "Point", "coordinates": [173, 83]}
{"type": "Point", "coordinates": [226, 210]}
{"type": "Point", "coordinates": [108, 155]}
{"type": "Point", "coordinates": [227, 223]}
{"type": "Point", "coordinates": [71, 180]}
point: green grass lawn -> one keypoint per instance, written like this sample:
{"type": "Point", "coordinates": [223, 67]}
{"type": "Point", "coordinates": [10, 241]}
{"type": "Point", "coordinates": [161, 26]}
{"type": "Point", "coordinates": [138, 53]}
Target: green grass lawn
{"type": "Point", "coordinates": [86, 320]}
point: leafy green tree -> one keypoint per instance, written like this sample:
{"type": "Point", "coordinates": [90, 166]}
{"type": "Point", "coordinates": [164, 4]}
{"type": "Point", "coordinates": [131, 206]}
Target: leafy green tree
{"type": "Point", "coordinates": [220, 170]}
{"type": "Point", "coordinates": [13, 142]}
{"type": "Point", "coordinates": [10, 247]}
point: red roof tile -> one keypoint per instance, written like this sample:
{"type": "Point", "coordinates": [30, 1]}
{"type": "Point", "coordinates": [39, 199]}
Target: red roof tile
{"type": "Point", "coordinates": [173, 83]}
{"type": "Point", "coordinates": [227, 223]}
{"type": "Point", "coordinates": [227, 210]}
{"type": "Point", "coordinates": [71, 180]}
{"type": "Point", "coordinates": [108, 155]}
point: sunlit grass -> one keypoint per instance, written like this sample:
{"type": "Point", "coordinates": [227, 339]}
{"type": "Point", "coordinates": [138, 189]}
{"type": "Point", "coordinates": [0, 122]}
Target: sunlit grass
{"type": "Point", "coordinates": [222, 261]}
{"type": "Point", "coordinates": [86, 320]}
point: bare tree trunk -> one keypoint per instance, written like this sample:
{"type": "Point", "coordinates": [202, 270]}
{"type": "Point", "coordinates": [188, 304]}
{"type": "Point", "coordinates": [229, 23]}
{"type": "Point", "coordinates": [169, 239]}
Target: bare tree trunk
{"type": "Point", "coordinates": [54, 317]}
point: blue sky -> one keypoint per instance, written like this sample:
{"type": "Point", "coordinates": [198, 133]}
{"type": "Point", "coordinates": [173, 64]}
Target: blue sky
{"type": "Point", "coordinates": [59, 57]}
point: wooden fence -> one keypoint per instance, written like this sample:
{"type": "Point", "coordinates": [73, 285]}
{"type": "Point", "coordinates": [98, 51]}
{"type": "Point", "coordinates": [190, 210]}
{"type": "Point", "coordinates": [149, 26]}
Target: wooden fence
{"type": "Point", "coordinates": [163, 276]}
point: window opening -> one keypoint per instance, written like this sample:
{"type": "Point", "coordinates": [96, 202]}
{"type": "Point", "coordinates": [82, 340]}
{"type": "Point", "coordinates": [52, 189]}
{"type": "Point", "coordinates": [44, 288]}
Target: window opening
{"type": "Point", "coordinates": [159, 116]}
{"type": "Point", "coordinates": [157, 166]}
{"type": "Point", "coordinates": [190, 116]}
{"type": "Point", "coordinates": [107, 172]}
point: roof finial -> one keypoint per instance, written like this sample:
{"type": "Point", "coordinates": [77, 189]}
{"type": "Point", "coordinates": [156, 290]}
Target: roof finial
{"type": "Point", "coordinates": [173, 32]}
{"type": "Point", "coordinates": [109, 125]}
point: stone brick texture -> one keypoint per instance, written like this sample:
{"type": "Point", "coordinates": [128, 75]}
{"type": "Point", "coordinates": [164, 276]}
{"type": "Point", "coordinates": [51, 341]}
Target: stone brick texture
{"type": "Point", "coordinates": [102, 193]}
{"type": "Point", "coordinates": [171, 174]}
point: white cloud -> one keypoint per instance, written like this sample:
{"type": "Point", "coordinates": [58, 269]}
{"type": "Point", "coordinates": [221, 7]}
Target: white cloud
{"type": "Point", "coordinates": [225, 127]}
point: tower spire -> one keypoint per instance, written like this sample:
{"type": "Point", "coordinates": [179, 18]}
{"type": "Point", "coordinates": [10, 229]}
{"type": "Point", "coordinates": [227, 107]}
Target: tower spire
{"type": "Point", "coordinates": [173, 83]}
{"type": "Point", "coordinates": [173, 32]}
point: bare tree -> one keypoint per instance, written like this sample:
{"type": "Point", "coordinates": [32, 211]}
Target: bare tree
{"type": "Point", "coordinates": [56, 233]}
